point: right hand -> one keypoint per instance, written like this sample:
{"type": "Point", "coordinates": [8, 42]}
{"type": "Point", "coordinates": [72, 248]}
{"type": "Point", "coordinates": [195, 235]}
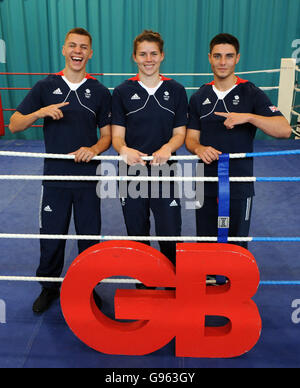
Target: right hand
{"type": "Point", "coordinates": [208, 154]}
{"type": "Point", "coordinates": [52, 111]}
{"type": "Point", "coordinates": [132, 156]}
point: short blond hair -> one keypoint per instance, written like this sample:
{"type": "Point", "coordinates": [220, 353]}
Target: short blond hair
{"type": "Point", "coordinates": [79, 31]}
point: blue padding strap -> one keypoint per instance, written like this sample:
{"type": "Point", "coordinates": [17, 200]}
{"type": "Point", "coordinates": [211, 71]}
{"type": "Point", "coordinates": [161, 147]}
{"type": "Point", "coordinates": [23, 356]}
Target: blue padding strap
{"type": "Point", "coordinates": [224, 198]}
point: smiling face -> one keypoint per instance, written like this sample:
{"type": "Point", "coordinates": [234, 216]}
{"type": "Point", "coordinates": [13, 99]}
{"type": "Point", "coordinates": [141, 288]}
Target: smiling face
{"type": "Point", "coordinates": [223, 59]}
{"type": "Point", "coordinates": [148, 58]}
{"type": "Point", "coordinates": [77, 51]}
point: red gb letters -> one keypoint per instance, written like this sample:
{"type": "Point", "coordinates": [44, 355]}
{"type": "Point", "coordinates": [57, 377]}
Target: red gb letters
{"type": "Point", "coordinates": [160, 315]}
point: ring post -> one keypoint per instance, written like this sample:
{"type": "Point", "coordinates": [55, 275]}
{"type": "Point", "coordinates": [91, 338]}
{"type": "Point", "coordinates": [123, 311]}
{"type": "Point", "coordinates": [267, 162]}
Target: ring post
{"type": "Point", "coordinates": [286, 86]}
{"type": "Point", "coordinates": [2, 128]}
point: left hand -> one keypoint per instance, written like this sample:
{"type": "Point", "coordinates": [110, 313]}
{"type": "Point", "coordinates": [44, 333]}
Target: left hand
{"type": "Point", "coordinates": [84, 154]}
{"type": "Point", "coordinates": [161, 156]}
{"type": "Point", "coordinates": [233, 119]}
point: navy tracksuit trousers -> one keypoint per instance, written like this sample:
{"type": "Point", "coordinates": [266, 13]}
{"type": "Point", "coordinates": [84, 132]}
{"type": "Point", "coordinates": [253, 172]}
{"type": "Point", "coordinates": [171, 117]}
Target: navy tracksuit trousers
{"type": "Point", "coordinates": [167, 217]}
{"type": "Point", "coordinates": [56, 209]}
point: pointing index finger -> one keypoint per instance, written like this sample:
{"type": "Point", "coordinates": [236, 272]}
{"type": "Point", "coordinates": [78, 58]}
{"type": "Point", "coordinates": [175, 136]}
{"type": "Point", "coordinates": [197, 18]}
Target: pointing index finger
{"type": "Point", "coordinates": [223, 114]}
{"type": "Point", "coordinates": [60, 105]}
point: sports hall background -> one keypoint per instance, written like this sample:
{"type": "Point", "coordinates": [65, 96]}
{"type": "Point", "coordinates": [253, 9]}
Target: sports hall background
{"type": "Point", "coordinates": [34, 32]}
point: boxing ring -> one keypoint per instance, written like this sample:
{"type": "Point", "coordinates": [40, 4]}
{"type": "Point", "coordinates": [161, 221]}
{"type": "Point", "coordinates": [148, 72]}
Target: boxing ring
{"type": "Point", "coordinates": [28, 340]}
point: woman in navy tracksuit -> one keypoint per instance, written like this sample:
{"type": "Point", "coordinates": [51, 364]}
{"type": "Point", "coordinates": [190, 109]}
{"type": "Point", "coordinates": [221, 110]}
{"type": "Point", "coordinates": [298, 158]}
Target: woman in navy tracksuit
{"type": "Point", "coordinates": [149, 117]}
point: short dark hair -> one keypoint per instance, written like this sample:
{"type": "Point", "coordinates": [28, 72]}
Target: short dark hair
{"type": "Point", "coordinates": [225, 39]}
{"type": "Point", "coordinates": [79, 31]}
{"type": "Point", "coordinates": [149, 36]}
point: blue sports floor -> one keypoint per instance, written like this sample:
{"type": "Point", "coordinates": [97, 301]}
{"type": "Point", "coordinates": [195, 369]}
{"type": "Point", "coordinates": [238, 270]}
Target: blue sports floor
{"type": "Point", "coordinates": [27, 340]}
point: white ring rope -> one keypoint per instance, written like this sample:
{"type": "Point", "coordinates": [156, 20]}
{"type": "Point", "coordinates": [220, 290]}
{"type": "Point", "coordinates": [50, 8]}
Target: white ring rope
{"type": "Point", "coordinates": [57, 280]}
{"type": "Point", "coordinates": [43, 279]}
{"type": "Point", "coordinates": [269, 87]}
{"type": "Point", "coordinates": [72, 157]}
{"type": "Point", "coordinates": [122, 178]}
{"type": "Point", "coordinates": [198, 87]}
{"type": "Point", "coordinates": [195, 74]}
{"type": "Point", "coordinates": [119, 158]}
{"type": "Point", "coordinates": [206, 74]}
{"type": "Point", "coordinates": [30, 279]}
{"type": "Point", "coordinates": [260, 87]}
{"type": "Point", "coordinates": [132, 238]}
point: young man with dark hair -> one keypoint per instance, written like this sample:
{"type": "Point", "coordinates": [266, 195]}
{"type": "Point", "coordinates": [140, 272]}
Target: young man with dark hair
{"type": "Point", "coordinates": [225, 39]}
{"type": "Point", "coordinates": [73, 104]}
{"type": "Point", "coordinates": [223, 118]}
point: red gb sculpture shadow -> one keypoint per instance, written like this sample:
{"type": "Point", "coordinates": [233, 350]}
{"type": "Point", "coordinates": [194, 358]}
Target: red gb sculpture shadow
{"type": "Point", "coordinates": [161, 315]}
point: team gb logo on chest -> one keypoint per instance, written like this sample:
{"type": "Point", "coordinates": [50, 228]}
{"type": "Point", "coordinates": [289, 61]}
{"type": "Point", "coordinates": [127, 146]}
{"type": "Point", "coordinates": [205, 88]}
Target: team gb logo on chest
{"type": "Point", "coordinates": [87, 93]}
{"type": "Point", "coordinates": [236, 100]}
{"type": "Point", "coordinates": [166, 96]}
